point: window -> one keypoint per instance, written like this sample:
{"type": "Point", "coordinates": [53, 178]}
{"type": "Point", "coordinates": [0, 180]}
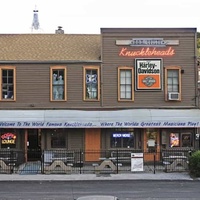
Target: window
{"type": "Point", "coordinates": [58, 83]}
{"type": "Point", "coordinates": [173, 83]}
{"type": "Point", "coordinates": [125, 84]}
{"type": "Point", "coordinates": [7, 82]}
{"type": "Point", "coordinates": [176, 138]}
{"type": "Point", "coordinates": [122, 138]}
{"type": "Point", "coordinates": [58, 139]}
{"type": "Point", "coordinates": [91, 83]}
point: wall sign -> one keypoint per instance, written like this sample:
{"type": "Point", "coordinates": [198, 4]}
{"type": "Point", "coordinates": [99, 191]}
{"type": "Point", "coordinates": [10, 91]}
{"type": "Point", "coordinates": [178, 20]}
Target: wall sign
{"type": "Point", "coordinates": [148, 74]}
{"type": "Point", "coordinates": [8, 138]}
{"type": "Point", "coordinates": [174, 140]}
{"type": "Point", "coordinates": [155, 42]}
{"type": "Point", "coordinates": [147, 52]}
{"type": "Point", "coordinates": [121, 123]}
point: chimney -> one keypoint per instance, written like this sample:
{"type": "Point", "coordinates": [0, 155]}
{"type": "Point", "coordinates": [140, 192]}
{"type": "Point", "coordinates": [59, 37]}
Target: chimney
{"type": "Point", "coordinates": [59, 31]}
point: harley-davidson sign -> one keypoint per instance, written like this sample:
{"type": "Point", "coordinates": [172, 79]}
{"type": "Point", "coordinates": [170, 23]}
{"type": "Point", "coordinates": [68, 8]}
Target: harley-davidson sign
{"type": "Point", "coordinates": [148, 73]}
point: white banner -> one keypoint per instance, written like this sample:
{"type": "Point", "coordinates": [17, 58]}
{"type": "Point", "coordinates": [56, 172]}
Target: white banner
{"type": "Point", "coordinates": [103, 124]}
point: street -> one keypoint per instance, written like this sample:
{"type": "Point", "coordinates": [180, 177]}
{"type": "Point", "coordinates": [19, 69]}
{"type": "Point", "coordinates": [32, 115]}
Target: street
{"type": "Point", "coordinates": [70, 190]}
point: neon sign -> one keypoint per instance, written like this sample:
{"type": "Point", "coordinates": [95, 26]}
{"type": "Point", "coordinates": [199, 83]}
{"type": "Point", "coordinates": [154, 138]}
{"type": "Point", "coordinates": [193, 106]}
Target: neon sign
{"type": "Point", "coordinates": [125, 52]}
{"type": "Point", "coordinates": [8, 138]}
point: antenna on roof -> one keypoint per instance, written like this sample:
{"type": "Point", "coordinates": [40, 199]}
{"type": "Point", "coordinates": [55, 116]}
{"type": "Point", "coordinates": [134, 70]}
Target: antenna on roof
{"type": "Point", "coordinates": [35, 23]}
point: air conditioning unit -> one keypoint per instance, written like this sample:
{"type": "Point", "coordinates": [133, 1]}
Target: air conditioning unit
{"type": "Point", "coordinates": [173, 96]}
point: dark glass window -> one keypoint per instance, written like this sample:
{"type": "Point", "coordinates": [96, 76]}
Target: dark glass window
{"type": "Point", "coordinates": [7, 84]}
{"type": "Point", "coordinates": [122, 138]}
{"type": "Point", "coordinates": [58, 139]}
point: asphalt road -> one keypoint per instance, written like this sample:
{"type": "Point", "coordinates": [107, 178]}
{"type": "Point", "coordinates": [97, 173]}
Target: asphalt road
{"type": "Point", "coordinates": [124, 190]}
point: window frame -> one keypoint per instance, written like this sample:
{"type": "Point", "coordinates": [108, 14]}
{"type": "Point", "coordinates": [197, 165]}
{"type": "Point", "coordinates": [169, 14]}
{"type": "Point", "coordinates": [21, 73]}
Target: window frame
{"type": "Point", "coordinates": [179, 81]}
{"type": "Point", "coordinates": [119, 83]}
{"type": "Point", "coordinates": [98, 82]}
{"type": "Point", "coordinates": [65, 82]}
{"type": "Point", "coordinates": [122, 139]}
{"type": "Point", "coordinates": [58, 135]}
{"type": "Point", "coordinates": [14, 82]}
{"type": "Point", "coordinates": [166, 134]}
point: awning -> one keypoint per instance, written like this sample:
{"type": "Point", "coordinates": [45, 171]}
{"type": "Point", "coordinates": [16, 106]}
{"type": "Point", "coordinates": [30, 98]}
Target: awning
{"type": "Point", "coordinates": [135, 118]}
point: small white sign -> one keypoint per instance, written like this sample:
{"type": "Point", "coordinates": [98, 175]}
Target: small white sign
{"type": "Point", "coordinates": [137, 162]}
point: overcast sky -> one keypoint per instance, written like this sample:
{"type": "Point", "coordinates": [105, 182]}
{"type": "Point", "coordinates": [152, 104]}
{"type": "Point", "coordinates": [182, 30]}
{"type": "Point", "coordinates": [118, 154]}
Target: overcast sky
{"type": "Point", "coordinates": [88, 16]}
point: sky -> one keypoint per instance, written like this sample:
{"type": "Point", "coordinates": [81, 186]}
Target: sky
{"type": "Point", "coordinates": [89, 16]}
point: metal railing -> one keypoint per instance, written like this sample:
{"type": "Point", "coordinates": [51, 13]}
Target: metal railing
{"type": "Point", "coordinates": [87, 162]}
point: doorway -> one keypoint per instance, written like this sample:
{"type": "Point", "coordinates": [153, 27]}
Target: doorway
{"type": "Point", "coordinates": [151, 144]}
{"type": "Point", "coordinates": [33, 145]}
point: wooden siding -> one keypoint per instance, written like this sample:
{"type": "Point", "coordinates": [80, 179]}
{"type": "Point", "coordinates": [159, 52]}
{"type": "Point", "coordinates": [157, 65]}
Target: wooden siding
{"type": "Point", "coordinates": [33, 88]}
{"type": "Point", "coordinates": [75, 139]}
{"type": "Point", "coordinates": [184, 57]}
{"type": "Point", "coordinates": [33, 80]}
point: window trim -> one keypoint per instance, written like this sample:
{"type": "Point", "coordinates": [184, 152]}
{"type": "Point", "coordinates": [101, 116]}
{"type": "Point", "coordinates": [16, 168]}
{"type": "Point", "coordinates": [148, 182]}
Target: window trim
{"type": "Point", "coordinates": [179, 81]}
{"type": "Point", "coordinates": [98, 82]}
{"type": "Point", "coordinates": [14, 82]}
{"type": "Point", "coordinates": [65, 82]}
{"type": "Point", "coordinates": [132, 86]}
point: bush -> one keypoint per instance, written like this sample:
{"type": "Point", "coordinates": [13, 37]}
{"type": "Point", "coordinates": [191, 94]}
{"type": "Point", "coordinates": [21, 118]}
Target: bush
{"type": "Point", "coordinates": [194, 164]}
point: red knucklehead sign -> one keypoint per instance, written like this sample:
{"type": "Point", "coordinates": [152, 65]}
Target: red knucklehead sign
{"type": "Point", "coordinates": [8, 138]}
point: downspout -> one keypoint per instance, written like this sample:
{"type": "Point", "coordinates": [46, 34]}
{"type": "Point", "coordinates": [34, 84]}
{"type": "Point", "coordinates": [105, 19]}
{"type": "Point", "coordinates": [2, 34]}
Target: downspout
{"type": "Point", "coordinates": [196, 130]}
{"type": "Point", "coordinates": [101, 74]}
{"type": "Point", "coordinates": [196, 74]}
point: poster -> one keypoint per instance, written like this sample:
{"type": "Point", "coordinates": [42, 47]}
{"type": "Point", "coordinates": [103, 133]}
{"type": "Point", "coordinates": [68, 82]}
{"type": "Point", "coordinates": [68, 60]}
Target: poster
{"type": "Point", "coordinates": [174, 140]}
{"type": "Point", "coordinates": [148, 74]}
{"type": "Point", "coordinates": [137, 162]}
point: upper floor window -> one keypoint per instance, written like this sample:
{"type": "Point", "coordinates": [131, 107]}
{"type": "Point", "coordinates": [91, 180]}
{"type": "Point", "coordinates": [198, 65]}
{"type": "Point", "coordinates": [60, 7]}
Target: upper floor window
{"type": "Point", "coordinates": [172, 83]}
{"type": "Point", "coordinates": [91, 83]}
{"type": "Point", "coordinates": [7, 82]}
{"type": "Point", "coordinates": [125, 84]}
{"type": "Point", "coordinates": [58, 83]}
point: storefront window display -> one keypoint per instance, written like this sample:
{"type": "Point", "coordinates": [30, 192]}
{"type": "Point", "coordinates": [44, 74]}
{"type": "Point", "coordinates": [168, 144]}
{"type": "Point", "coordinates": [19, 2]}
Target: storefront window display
{"type": "Point", "coordinates": [122, 138]}
{"type": "Point", "coordinates": [176, 138]}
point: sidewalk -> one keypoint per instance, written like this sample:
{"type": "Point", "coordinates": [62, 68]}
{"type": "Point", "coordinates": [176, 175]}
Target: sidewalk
{"type": "Point", "coordinates": [77, 177]}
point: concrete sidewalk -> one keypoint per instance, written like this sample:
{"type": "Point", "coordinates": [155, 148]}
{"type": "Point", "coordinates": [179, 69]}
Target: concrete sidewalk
{"type": "Point", "coordinates": [78, 177]}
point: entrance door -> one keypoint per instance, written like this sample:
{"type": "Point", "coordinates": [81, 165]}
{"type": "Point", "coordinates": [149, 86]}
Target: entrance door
{"type": "Point", "coordinates": [151, 144]}
{"type": "Point", "coordinates": [92, 144]}
{"type": "Point", "coordinates": [33, 145]}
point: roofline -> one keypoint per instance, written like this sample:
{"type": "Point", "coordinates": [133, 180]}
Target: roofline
{"type": "Point", "coordinates": [47, 61]}
{"type": "Point", "coordinates": [128, 30]}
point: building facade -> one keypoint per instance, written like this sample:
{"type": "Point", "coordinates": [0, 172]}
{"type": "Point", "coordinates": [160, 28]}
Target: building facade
{"type": "Point", "coordinates": [126, 88]}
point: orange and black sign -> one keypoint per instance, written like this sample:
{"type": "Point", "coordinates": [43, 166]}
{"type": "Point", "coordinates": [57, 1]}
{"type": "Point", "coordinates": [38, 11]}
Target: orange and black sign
{"type": "Point", "coordinates": [148, 74]}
